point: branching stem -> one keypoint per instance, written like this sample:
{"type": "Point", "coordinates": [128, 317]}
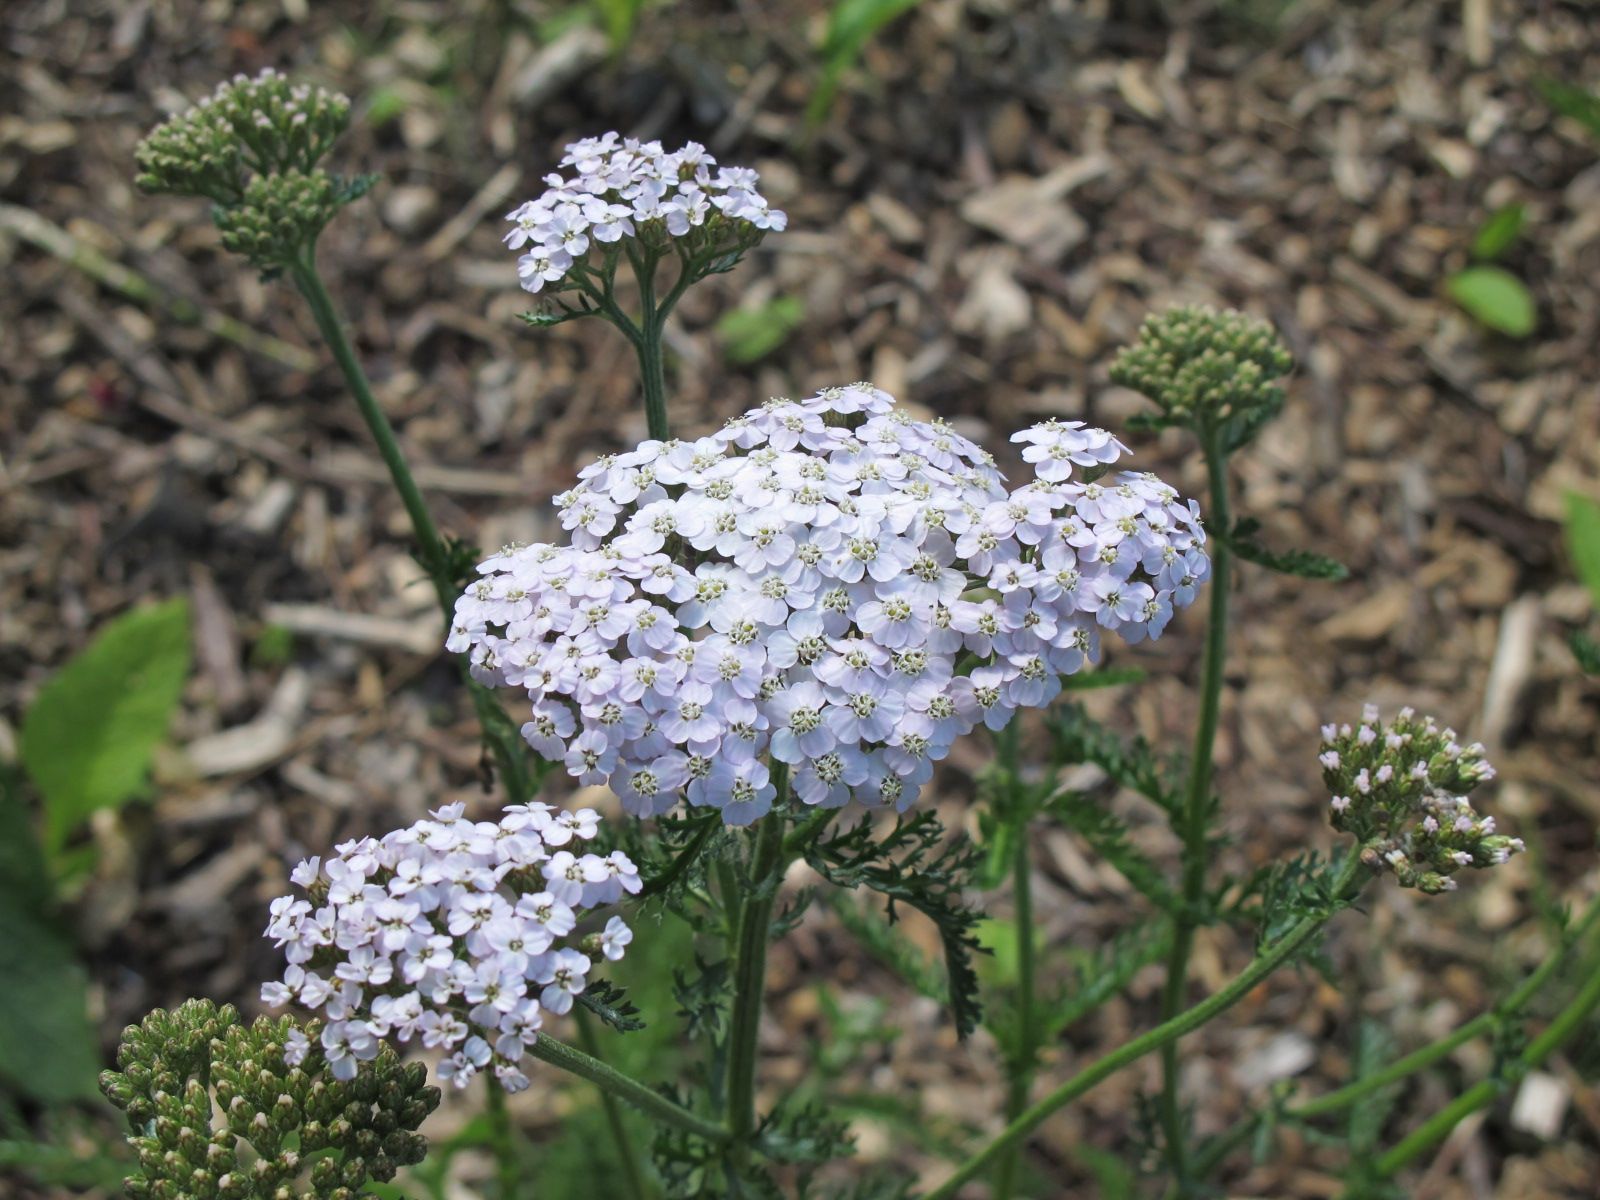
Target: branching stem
{"type": "Point", "coordinates": [1165, 1034]}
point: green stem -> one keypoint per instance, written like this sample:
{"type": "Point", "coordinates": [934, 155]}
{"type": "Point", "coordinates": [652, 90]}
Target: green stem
{"type": "Point", "coordinates": [506, 747]}
{"type": "Point", "coordinates": [1162, 1035]}
{"type": "Point", "coordinates": [1438, 1127]}
{"type": "Point", "coordinates": [309, 281]}
{"type": "Point", "coordinates": [626, 1088]}
{"type": "Point", "coordinates": [750, 969]}
{"type": "Point", "coordinates": [647, 344]}
{"type": "Point", "coordinates": [1197, 806]}
{"type": "Point", "coordinates": [626, 1151]}
{"type": "Point", "coordinates": [1418, 1060]}
{"type": "Point", "coordinates": [502, 1140]}
{"type": "Point", "coordinates": [1022, 1062]}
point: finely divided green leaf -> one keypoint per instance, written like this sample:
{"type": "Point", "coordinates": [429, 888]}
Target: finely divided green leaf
{"type": "Point", "coordinates": [1302, 563]}
{"type": "Point", "coordinates": [88, 738]}
{"type": "Point", "coordinates": [912, 864]}
{"type": "Point", "coordinates": [1583, 541]}
{"type": "Point", "coordinates": [1108, 836]}
{"type": "Point", "coordinates": [1496, 297]}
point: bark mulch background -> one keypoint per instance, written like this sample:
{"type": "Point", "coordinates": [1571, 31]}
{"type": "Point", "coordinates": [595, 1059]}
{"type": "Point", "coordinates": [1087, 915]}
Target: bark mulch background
{"type": "Point", "coordinates": [1000, 192]}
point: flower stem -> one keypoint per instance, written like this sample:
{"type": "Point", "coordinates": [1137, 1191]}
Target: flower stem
{"type": "Point", "coordinates": [1161, 1036]}
{"type": "Point", "coordinates": [1225, 1143]}
{"type": "Point", "coordinates": [626, 1088]}
{"type": "Point", "coordinates": [502, 1140]}
{"type": "Point", "coordinates": [750, 970]}
{"type": "Point", "coordinates": [501, 739]}
{"type": "Point", "coordinates": [1438, 1127]}
{"type": "Point", "coordinates": [1023, 1059]}
{"type": "Point", "coordinates": [1196, 813]}
{"type": "Point", "coordinates": [620, 1137]}
{"type": "Point", "coordinates": [431, 545]}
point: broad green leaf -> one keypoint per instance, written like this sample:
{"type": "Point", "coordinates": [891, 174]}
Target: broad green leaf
{"type": "Point", "coordinates": [1496, 297]}
{"type": "Point", "coordinates": [750, 334]}
{"type": "Point", "coordinates": [23, 870]}
{"type": "Point", "coordinates": [47, 1045]}
{"type": "Point", "coordinates": [1495, 236]}
{"type": "Point", "coordinates": [1582, 105]}
{"type": "Point", "coordinates": [1583, 541]}
{"type": "Point", "coordinates": [88, 738]}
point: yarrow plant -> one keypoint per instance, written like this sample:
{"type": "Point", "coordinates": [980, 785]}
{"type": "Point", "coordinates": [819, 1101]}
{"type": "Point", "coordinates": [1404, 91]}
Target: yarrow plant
{"type": "Point", "coordinates": [826, 584]}
{"type": "Point", "coordinates": [740, 635]}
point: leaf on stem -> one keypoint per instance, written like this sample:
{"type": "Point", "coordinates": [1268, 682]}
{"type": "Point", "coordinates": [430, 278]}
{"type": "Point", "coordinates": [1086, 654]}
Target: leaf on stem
{"type": "Point", "coordinates": [1077, 737]}
{"type": "Point", "coordinates": [1302, 563]}
{"type": "Point", "coordinates": [909, 865]}
{"type": "Point", "coordinates": [611, 1004]}
{"type": "Point", "coordinates": [1109, 837]}
{"type": "Point", "coordinates": [1099, 974]}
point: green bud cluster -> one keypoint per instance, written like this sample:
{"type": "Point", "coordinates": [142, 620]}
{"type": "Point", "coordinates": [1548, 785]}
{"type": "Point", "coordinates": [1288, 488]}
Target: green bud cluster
{"type": "Point", "coordinates": [309, 1136]}
{"type": "Point", "coordinates": [261, 125]}
{"type": "Point", "coordinates": [278, 215]}
{"type": "Point", "coordinates": [1205, 369]}
{"type": "Point", "coordinates": [1402, 789]}
{"type": "Point", "coordinates": [253, 147]}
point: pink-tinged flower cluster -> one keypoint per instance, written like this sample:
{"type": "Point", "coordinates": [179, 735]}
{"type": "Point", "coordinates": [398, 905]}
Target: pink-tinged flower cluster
{"type": "Point", "coordinates": [1401, 788]}
{"type": "Point", "coordinates": [459, 933]}
{"type": "Point", "coordinates": [624, 188]}
{"type": "Point", "coordinates": [826, 586]}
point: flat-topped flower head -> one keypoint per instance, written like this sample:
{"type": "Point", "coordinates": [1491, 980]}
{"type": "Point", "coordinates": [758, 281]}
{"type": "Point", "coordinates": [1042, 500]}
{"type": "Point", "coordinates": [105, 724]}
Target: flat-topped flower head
{"type": "Point", "coordinates": [825, 592]}
{"type": "Point", "coordinates": [459, 933]}
{"type": "Point", "coordinates": [617, 190]}
{"type": "Point", "coordinates": [1401, 788]}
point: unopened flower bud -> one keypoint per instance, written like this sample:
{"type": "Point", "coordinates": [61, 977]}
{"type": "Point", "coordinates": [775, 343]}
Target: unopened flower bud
{"type": "Point", "coordinates": [1402, 791]}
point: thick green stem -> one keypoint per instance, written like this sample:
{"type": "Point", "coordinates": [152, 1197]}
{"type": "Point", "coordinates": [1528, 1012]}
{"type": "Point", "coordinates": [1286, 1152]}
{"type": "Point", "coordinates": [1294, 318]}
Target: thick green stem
{"type": "Point", "coordinates": [1438, 1127]}
{"type": "Point", "coordinates": [750, 971]}
{"type": "Point", "coordinates": [507, 750]}
{"type": "Point", "coordinates": [1023, 1060]}
{"type": "Point", "coordinates": [1162, 1035]}
{"type": "Point", "coordinates": [620, 1138]}
{"type": "Point", "coordinates": [1196, 813]}
{"type": "Point", "coordinates": [626, 1088]}
{"type": "Point", "coordinates": [654, 376]}
{"type": "Point", "coordinates": [1418, 1060]}
{"type": "Point", "coordinates": [502, 1140]}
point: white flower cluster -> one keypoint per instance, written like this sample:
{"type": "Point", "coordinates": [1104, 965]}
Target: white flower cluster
{"type": "Point", "coordinates": [827, 584]}
{"type": "Point", "coordinates": [450, 931]}
{"type": "Point", "coordinates": [622, 185]}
